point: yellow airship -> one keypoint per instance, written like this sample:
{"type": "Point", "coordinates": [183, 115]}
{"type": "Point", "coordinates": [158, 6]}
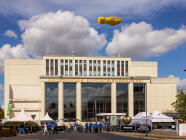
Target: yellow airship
{"type": "Point", "coordinates": [109, 20]}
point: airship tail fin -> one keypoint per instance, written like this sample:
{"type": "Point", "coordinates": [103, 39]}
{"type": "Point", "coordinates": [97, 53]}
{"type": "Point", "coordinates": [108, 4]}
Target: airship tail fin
{"type": "Point", "coordinates": [100, 20]}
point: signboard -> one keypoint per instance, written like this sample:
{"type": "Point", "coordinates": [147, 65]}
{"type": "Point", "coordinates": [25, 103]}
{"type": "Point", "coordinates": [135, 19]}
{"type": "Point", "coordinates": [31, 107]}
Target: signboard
{"type": "Point", "coordinates": [9, 108]}
{"type": "Point", "coordinates": [33, 116]}
{"type": "Point", "coordinates": [182, 129]}
{"type": "Point", "coordinates": [113, 120]}
{"type": "Point", "coordinates": [127, 128]}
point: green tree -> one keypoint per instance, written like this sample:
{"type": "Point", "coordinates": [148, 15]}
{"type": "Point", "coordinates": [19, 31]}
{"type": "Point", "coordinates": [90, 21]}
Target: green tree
{"type": "Point", "coordinates": [1, 113]}
{"type": "Point", "coordinates": [180, 105]}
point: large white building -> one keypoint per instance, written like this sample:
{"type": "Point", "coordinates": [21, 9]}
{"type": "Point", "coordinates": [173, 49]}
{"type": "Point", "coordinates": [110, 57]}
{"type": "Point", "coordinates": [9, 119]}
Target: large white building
{"type": "Point", "coordinates": [68, 87]}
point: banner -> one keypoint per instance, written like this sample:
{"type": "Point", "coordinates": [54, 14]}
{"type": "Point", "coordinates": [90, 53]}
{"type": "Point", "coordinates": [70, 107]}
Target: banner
{"type": "Point", "coordinates": [182, 129]}
{"type": "Point", "coordinates": [9, 108]}
{"type": "Point", "coordinates": [113, 120]}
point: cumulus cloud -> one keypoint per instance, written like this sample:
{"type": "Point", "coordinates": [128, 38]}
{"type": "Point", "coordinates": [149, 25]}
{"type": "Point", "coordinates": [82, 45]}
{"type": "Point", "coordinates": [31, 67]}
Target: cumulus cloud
{"type": "Point", "coordinates": [6, 51]}
{"type": "Point", "coordinates": [181, 83]}
{"type": "Point", "coordinates": [139, 40]}
{"type": "Point", "coordinates": [88, 8]}
{"type": "Point", "coordinates": [10, 34]}
{"type": "Point", "coordinates": [60, 33]}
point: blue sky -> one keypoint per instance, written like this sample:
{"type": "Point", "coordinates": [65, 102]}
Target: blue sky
{"type": "Point", "coordinates": [152, 30]}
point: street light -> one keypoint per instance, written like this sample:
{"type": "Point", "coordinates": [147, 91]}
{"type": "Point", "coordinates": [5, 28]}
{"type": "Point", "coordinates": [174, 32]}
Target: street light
{"type": "Point", "coordinates": [185, 70]}
{"type": "Point", "coordinates": [146, 105]}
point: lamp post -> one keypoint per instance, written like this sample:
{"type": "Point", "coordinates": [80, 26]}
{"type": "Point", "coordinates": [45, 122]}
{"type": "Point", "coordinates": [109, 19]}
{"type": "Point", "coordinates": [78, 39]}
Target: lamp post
{"type": "Point", "coordinates": [146, 106]}
{"type": "Point", "coordinates": [185, 70]}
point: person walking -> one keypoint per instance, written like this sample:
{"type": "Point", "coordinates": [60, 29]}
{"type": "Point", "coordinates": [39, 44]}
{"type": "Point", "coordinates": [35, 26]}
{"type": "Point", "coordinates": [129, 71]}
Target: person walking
{"type": "Point", "coordinates": [90, 127]}
{"type": "Point", "coordinates": [86, 127]}
{"type": "Point", "coordinates": [45, 132]}
{"type": "Point", "coordinates": [22, 128]}
{"type": "Point", "coordinates": [49, 128]}
{"type": "Point", "coordinates": [108, 126]}
{"type": "Point", "coordinates": [100, 127]}
{"type": "Point", "coordinates": [77, 127]}
{"type": "Point", "coordinates": [96, 127]}
{"type": "Point", "coordinates": [54, 127]}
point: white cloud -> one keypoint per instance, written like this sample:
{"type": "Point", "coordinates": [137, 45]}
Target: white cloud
{"type": "Point", "coordinates": [59, 33]}
{"type": "Point", "coordinates": [139, 40]}
{"type": "Point", "coordinates": [6, 51]}
{"type": "Point", "coordinates": [10, 34]}
{"type": "Point", "coordinates": [181, 83]}
{"type": "Point", "coordinates": [88, 8]}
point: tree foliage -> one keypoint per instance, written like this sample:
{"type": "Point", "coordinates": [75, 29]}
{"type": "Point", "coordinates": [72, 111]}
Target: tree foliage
{"type": "Point", "coordinates": [180, 105]}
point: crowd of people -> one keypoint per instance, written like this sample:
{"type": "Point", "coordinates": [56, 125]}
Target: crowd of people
{"type": "Point", "coordinates": [51, 128]}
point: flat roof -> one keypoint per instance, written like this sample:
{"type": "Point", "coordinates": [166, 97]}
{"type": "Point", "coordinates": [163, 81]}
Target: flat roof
{"type": "Point", "coordinates": [85, 56]}
{"type": "Point", "coordinates": [111, 114]}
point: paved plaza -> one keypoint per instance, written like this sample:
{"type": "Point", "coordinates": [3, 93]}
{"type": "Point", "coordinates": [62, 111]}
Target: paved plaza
{"type": "Point", "coordinates": [72, 136]}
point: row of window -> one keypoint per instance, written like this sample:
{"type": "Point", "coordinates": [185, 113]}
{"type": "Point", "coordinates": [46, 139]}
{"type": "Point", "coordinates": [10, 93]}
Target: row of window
{"type": "Point", "coordinates": [83, 66]}
{"type": "Point", "coordinates": [96, 98]}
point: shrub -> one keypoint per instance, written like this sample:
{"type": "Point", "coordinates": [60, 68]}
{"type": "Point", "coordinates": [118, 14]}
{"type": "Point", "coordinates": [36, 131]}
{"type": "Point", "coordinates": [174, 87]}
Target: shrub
{"type": "Point", "coordinates": [29, 123]}
{"type": "Point", "coordinates": [11, 124]}
{"type": "Point", "coordinates": [7, 132]}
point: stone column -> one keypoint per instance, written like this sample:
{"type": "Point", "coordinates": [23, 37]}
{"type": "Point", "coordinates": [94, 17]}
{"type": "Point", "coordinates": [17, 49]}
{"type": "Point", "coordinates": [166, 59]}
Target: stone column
{"type": "Point", "coordinates": [115, 68]}
{"type": "Point", "coordinates": [42, 85]}
{"type": "Point", "coordinates": [78, 101]}
{"type": "Point", "coordinates": [60, 101]}
{"type": "Point", "coordinates": [7, 97]}
{"type": "Point", "coordinates": [148, 96]}
{"type": "Point", "coordinates": [73, 67]}
{"type": "Point", "coordinates": [113, 98]}
{"type": "Point", "coordinates": [101, 67]}
{"type": "Point", "coordinates": [130, 99]}
{"type": "Point", "coordinates": [59, 67]}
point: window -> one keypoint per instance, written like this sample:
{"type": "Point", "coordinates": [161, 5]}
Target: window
{"type": "Point", "coordinates": [62, 67]}
{"type": "Point", "coordinates": [126, 68]}
{"type": "Point", "coordinates": [113, 72]}
{"type": "Point", "coordinates": [66, 67]}
{"type": "Point", "coordinates": [108, 68]}
{"type": "Point", "coordinates": [51, 67]}
{"type": "Point", "coordinates": [96, 98]}
{"type": "Point", "coordinates": [94, 67]}
{"type": "Point", "coordinates": [139, 98]}
{"type": "Point", "coordinates": [122, 98]}
{"type": "Point", "coordinates": [47, 66]}
{"type": "Point", "coordinates": [80, 67]}
{"type": "Point", "coordinates": [90, 67]}
{"type": "Point", "coordinates": [104, 68]}
{"type": "Point", "coordinates": [99, 68]}
{"type": "Point", "coordinates": [70, 101]}
{"type": "Point", "coordinates": [51, 99]}
{"type": "Point", "coordinates": [56, 67]}
{"type": "Point", "coordinates": [118, 68]}
{"type": "Point", "coordinates": [122, 68]}
{"type": "Point", "coordinates": [85, 68]}
{"type": "Point", "coordinates": [76, 67]}
{"type": "Point", "coordinates": [70, 67]}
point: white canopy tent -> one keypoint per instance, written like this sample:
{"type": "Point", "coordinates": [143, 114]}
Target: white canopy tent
{"type": "Point", "coordinates": [21, 117]}
{"type": "Point", "coordinates": [159, 117]}
{"type": "Point", "coordinates": [140, 115]}
{"type": "Point", "coordinates": [156, 116]}
{"type": "Point", "coordinates": [141, 118]}
{"type": "Point", "coordinates": [47, 118]}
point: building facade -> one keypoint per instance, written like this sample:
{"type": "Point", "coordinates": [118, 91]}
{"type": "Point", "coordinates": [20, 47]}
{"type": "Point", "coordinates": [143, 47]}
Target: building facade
{"type": "Point", "coordinates": [77, 88]}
